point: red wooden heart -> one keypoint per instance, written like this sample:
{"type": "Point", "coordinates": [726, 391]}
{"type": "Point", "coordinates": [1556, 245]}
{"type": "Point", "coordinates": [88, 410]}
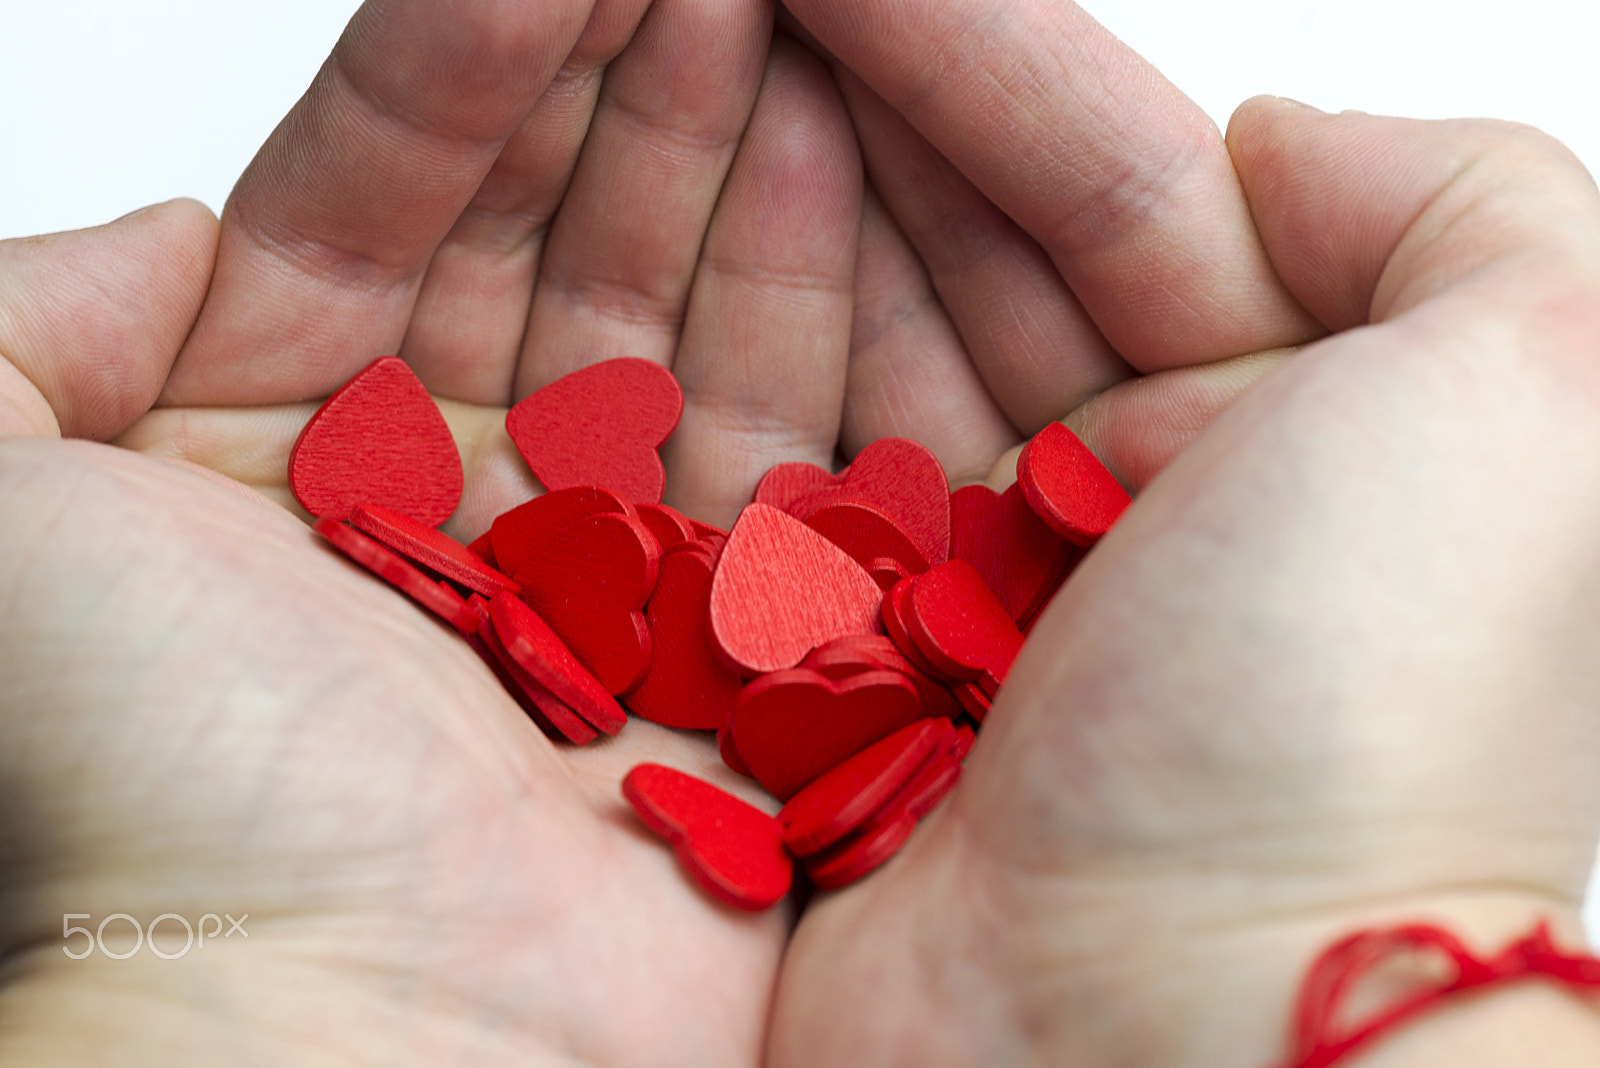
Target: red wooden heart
{"type": "Point", "coordinates": [792, 726]}
{"type": "Point", "coordinates": [784, 485]}
{"type": "Point", "coordinates": [554, 716]}
{"type": "Point", "coordinates": [670, 526]}
{"type": "Point", "coordinates": [868, 534]}
{"type": "Point", "coordinates": [430, 548]}
{"type": "Point", "coordinates": [437, 597]}
{"type": "Point", "coordinates": [1017, 554]}
{"type": "Point", "coordinates": [958, 624]}
{"type": "Point", "coordinates": [516, 535]}
{"type": "Point", "coordinates": [1068, 487]}
{"type": "Point", "coordinates": [378, 440]}
{"type": "Point", "coordinates": [600, 426]}
{"type": "Point", "coordinates": [845, 797]}
{"type": "Point", "coordinates": [534, 646]}
{"type": "Point", "coordinates": [895, 609]}
{"type": "Point", "coordinates": [590, 582]}
{"type": "Point", "coordinates": [731, 848]}
{"type": "Point", "coordinates": [853, 654]}
{"type": "Point", "coordinates": [903, 479]}
{"type": "Point", "coordinates": [688, 685]}
{"type": "Point", "coordinates": [860, 854]}
{"type": "Point", "coordinates": [781, 589]}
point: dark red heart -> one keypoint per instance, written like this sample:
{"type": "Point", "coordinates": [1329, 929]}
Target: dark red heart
{"type": "Point", "coordinates": [904, 480]}
{"type": "Point", "coordinates": [688, 685]}
{"type": "Point", "coordinates": [591, 582]}
{"type": "Point", "coordinates": [1017, 554]}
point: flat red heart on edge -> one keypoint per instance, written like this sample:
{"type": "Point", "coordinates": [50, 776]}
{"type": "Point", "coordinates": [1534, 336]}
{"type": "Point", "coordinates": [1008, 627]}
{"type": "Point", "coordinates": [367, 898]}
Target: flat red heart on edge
{"type": "Point", "coordinates": [380, 439]}
{"type": "Point", "coordinates": [1068, 487]}
{"type": "Point", "coordinates": [600, 426]}
{"type": "Point", "coordinates": [905, 481]}
{"type": "Point", "coordinates": [733, 849]}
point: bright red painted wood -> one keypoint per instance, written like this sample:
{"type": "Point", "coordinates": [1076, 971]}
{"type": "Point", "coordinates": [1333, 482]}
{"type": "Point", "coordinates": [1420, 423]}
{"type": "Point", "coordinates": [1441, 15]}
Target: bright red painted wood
{"type": "Point", "coordinates": [600, 426]}
{"type": "Point", "coordinates": [732, 849]}
{"type": "Point", "coordinates": [378, 440]}
{"type": "Point", "coordinates": [1068, 487]}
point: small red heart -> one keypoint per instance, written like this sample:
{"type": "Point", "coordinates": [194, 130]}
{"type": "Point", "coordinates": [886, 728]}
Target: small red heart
{"type": "Point", "coordinates": [959, 625]}
{"type": "Point", "coordinates": [901, 478]}
{"type": "Point", "coordinates": [430, 548]}
{"type": "Point", "coordinates": [792, 726]}
{"type": "Point", "coordinates": [845, 797]}
{"type": "Point", "coordinates": [591, 582]}
{"type": "Point", "coordinates": [554, 716]}
{"type": "Point", "coordinates": [517, 534]}
{"type": "Point", "coordinates": [859, 855]}
{"type": "Point", "coordinates": [731, 848]}
{"type": "Point", "coordinates": [786, 484]}
{"type": "Point", "coordinates": [781, 589]}
{"type": "Point", "coordinates": [868, 534]}
{"type": "Point", "coordinates": [1012, 548]}
{"type": "Point", "coordinates": [895, 609]}
{"type": "Point", "coordinates": [670, 526]}
{"type": "Point", "coordinates": [437, 597]}
{"type": "Point", "coordinates": [378, 440]}
{"type": "Point", "coordinates": [688, 686]}
{"type": "Point", "coordinates": [1068, 486]}
{"type": "Point", "coordinates": [600, 426]}
{"type": "Point", "coordinates": [853, 654]}
{"type": "Point", "coordinates": [534, 646]}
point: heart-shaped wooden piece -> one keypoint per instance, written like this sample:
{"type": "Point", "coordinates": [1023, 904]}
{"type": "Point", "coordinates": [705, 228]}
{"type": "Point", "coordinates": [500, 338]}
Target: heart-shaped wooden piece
{"type": "Point", "coordinates": [853, 654]}
{"type": "Point", "coordinates": [1068, 487]}
{"type": "Point", "coordinates": [845, 797]}
{"type": "Point", "coordinates": [670, 526]}
{"type": "Point", "coordinates": [869, 535]}
{"type": "Point", "coordinates": [959, 625]}
{"type": "Point", "coordinates": [536, 649]}
{"type": "Point", "coordinates": [784, 485]}
{"type": "Point", "coordinates": [552, 715]}
{"type": "Point", "coordinates": [517, 534]}
{"type": "Point", "coordinates": [901, 478]}
{"type": "Point", "coordinates": [792, 726]}
{"type": "Point", "coordinates": [1017, 554]}
{"type": "Point", "coordinates": [781, 589]}
{"type": "Point", "coordinates": [591, 582]}
{"type": "Point", "coordinates": [688, 686]}
{"type": "Point", "coordinates": [430, 548]}
{"type": "Point", "coordinates": [378, 440]}
{"type": "Point", "coordinates": [600, 426]}
{"type": "Point", "coordinates": [731, 848]}
{"type": "Point", "coordinates": [437, 597]}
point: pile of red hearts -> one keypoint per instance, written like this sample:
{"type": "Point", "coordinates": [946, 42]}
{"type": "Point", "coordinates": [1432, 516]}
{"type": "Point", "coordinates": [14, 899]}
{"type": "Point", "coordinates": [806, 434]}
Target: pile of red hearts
{"type": "Point", "coordinates": [845, 639]}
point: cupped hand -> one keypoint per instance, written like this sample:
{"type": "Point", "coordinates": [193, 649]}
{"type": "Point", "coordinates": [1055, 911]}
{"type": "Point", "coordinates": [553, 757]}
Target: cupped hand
{"type": "Point", "coordinates": [1335, 667]}
{"type": "Point", "coordinates": [204, 711]}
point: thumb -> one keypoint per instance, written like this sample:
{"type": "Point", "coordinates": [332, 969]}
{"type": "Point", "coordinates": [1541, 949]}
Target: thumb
{"type": "Point", "coordinates": [91, 320]}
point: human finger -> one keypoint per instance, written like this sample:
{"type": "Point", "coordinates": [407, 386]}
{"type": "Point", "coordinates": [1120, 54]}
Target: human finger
{"type": "Point", "coordinates": [910, 374]}
{"type": "Point", "coordinates": [471, 313]}
{"type": "Point", "coordinates": [91, 320]}
{"type": "Point", "coordinates": [621, 255]}
{"type": "Point", "coordinates": [766, 338]}
{"type": "Point", "coordinates": [1039, 352]}
{"type": "Point", "coordinates": [1123, 181]}
{"type": "Point", "coordinates": [326, 236]}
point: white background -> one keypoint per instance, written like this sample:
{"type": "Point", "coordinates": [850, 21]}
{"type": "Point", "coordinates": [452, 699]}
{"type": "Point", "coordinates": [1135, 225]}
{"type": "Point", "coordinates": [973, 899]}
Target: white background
{"type": "Point", "coordinates": [107, 106]}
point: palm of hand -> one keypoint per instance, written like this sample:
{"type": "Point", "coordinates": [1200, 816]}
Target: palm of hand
{"type": "Point", "coordinates": [995, 929]}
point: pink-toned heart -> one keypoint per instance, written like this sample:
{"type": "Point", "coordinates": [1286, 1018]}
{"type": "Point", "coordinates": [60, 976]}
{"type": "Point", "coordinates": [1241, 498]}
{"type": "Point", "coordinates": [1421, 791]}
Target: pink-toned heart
{"type": "Point", "coordinates": [781, 589]}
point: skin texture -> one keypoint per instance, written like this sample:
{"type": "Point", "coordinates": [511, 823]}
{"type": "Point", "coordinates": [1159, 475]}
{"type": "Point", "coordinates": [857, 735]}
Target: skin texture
{"type": "Point", "coordinates": [1334, 668]}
